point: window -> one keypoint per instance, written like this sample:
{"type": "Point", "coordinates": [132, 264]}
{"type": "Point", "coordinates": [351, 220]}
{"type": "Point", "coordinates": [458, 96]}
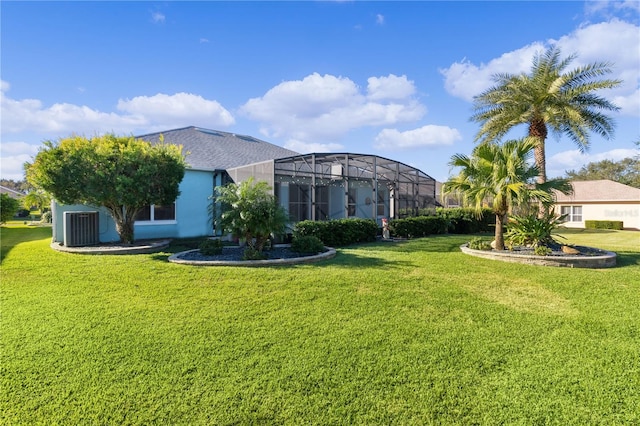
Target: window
{"type": "Point", "coordinates": [574, 213]}
{"type": "Point", "coordinates": [157, 213]}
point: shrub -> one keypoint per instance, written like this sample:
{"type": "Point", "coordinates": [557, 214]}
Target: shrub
{"type": "Point", "coordinates": [533, 231]}
{"type": "Point", "coordinates": [251, 253]}
{"type": "Point", "coordinates": [603, 224]}
{"type": "Point", "coordinates": [420, 226]}
{"type": "Point", "coordinates": [46, 217]}
{"type": "Point", "coordinates": [542, 251]}
{"type": "Point", "coordinates": [479, 244]}
{"type": "Point", "coordinates": [210, 247]}
{"type": "Point", "coordinates": [8, 207]}
{"type": "Point", "coordinates": [307, 244]}
{"type": "Point", "coordinates": [340, 232]}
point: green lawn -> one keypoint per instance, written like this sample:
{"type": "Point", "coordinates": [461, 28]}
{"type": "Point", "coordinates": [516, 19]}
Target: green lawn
{"type": "Point", "coordinates": [406, 333]}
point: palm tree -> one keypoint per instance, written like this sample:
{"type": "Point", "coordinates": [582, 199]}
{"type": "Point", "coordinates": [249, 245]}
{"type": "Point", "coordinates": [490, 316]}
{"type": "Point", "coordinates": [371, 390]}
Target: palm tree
{"type": "Point", "coordinates": [250, 212]}
{"type": "Point", "coordinates": [502, 176]}
{"type": "Point", "coordinates": [547, 98]}
{"type": "Point", "coordinates": [37, 198]}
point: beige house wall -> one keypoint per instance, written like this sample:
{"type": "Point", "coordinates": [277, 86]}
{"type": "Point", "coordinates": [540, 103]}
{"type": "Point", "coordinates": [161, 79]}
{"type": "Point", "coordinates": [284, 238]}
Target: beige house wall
{"type": "Point", "coordinates": [628, 213]}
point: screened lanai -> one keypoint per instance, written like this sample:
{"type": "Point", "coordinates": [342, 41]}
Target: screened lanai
{"type": "Point", "coordinates": [335, 186]}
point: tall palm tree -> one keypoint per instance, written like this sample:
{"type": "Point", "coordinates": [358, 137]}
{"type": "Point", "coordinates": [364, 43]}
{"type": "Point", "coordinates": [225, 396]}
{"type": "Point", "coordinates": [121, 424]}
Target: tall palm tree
{"type": "Point", "coordinates": [547, 98]}
{"type": "Point", "coordinates": [501, 175]}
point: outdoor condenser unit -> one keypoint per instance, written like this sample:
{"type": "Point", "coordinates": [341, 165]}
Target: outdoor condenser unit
{"type": "Point", "coordinates": [81, 229]}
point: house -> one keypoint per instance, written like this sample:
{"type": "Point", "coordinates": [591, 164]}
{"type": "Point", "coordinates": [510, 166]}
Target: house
{"type": "Point", "coordinates": [600, 200]}
{"type": "Point", "coordinates": [11, 192]}
{"type": "Point", "coordinates": [316, 186]}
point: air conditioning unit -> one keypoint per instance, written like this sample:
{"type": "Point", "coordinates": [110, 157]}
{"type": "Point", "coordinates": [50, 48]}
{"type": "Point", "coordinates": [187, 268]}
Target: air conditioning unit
{"type": "Point", "coordinates": [80, 229]}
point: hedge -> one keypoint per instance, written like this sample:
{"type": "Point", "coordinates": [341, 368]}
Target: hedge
{"type": "Point", "coordinates": [340, 232]}
{"type": "Point", "coordinates": [603, 224]}
{"type": "Point", "coordinates": [464, 220]}
{"type": "Point", "coordinates": [420, 226]}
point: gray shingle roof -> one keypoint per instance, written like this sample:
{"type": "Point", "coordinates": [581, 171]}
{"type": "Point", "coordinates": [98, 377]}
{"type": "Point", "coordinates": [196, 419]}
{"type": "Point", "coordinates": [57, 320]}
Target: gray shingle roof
{"type": "Point", "coordinates": [215, 150]}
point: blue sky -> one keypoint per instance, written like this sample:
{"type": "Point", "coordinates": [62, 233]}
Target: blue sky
{"type": "Point", "coordinates": [395, 79]}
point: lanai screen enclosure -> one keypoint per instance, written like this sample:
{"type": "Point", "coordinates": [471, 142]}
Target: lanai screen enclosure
{"type": "Point", "coordinates": [343, 185]}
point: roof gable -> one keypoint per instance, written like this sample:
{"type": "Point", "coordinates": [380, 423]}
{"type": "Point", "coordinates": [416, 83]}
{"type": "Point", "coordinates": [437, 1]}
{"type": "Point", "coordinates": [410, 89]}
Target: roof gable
{"type": "Point", "coordinates": [600, 191]}
{"type": "Point", "coordinates": [216, 150]}
{"type": "Point", "coordinates": [11, 192]}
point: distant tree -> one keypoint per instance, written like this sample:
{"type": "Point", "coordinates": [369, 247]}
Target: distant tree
{"type": "Point", "coordinates": [502, 176]}
{"type": "Point", "coordinates": [8, 207]}
{"type": "Point", "coordinates": [120, 173]}
{"type": "Point", "coordinates": [250, 212]}
{"type": "Point", "coordinates": [16, 185]}
{"type": "Point", "coordinates": [548, 98]}
{"type": "Point", "coordinates": [626, 171]}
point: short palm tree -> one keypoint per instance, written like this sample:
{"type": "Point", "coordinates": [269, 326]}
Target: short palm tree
{"type": "Point", "coordinates": [501, 175]}
{"type": "Point", "coordinates": [547, 98]}
{"type": "Point", "coordinates": [37, 198]}
{"type": "Point", "coordinates": [250, 212]}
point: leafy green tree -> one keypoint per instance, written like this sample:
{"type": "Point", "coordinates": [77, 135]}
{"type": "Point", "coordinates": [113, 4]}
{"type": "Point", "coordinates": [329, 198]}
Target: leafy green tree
{"type": "Point", "coordinates": [501, 176]}
{"type": "Point", "coordinates": [8, 207]}
{"type": "Point", "coordinates": [122, 174]}
{"type": "Point", "coordinates": [547, 98]}
{"type": "Point", "coordinates": [250, 212]}
{"type": "Point", "coordinates": [625, 171]}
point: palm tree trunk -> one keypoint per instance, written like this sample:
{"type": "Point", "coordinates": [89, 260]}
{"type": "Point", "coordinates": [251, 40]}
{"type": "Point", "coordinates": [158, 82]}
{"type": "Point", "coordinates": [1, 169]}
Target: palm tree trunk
{"type": "Point", "coordinates": [499, 235]}
{"type": "Point", "coordinates": [538, 130]}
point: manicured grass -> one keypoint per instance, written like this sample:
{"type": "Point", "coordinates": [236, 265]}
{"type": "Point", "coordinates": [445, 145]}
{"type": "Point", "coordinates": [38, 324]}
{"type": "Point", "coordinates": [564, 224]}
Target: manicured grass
{"type": "Point", "coordinates": [408, 333]}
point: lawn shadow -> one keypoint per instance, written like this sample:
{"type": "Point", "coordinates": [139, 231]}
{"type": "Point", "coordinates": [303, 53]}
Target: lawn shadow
{"type": "Point", "coordinates": [11, 237]}
{"type": "Point", "coordinates": [627, 259]}
{"type": "Point", "coordinates": [352, 260]}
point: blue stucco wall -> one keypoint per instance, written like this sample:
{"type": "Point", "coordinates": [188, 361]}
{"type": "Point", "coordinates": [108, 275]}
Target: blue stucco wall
{"type": "Point", "coordinates": [192, 216]}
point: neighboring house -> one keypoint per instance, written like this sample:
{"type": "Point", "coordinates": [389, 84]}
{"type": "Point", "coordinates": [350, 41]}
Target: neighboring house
{"type": "Point", "coordinates": [11, 192]}
{"type": "Point", "coordinates": [310, 186]}
{"type": "Point", "coordinates": [600, 200]}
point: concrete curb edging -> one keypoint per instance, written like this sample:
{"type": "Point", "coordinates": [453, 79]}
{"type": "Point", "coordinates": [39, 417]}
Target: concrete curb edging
{"type": "Point", "coordinates": [151, 247]}
{"type": "Point", "coordinates": [331, 252]}
{"type": "Point", "coordinates": [606, 260]}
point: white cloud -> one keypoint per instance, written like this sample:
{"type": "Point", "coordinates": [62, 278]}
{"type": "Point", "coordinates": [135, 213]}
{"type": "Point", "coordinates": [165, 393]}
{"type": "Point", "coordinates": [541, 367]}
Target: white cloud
{"type": "Point", "coordinates": [327, 107]}
{"type": "Point", "coordinates": [12, 157]}
{"type": "Point", "coordinates": [308, 147]}
{"type": "Point", "coordinates": [564, 161]}
{"type": "Point", "coordinates": [380, 19]}
{"type": "Point", "coordinates": [176, 110]}
{"type": "Point", "coordinates": [391, 87]}
{"type": "Point", "coordinates": [142, 113]}
{"type": "Point", "coordinates": [615, 42]}
{"type": "Point", "coordinates": [157, 17]}
{"type": "Point", "coordinates": [429, 135]}
{"type": "Point", "coordinates": [465, 80]}
{"type": "Point", "coordinates": [607, 7]}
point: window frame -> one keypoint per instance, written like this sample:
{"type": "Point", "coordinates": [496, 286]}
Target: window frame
{"type": "Point", "coordinates": [574, 212]}
{"type": "Point", "coordinates": [153, 221]}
